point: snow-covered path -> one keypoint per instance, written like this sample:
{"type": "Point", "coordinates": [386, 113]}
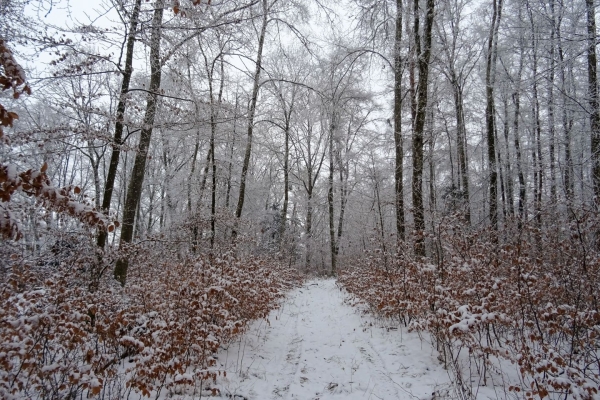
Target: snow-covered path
{"type": "Point", "coordinates": [317, 347]}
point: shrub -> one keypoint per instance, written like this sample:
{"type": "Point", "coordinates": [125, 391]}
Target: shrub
{"type": "Point", "coordinates": [525, 295]}
{"type": "Point", "coordinates": [160, 332]}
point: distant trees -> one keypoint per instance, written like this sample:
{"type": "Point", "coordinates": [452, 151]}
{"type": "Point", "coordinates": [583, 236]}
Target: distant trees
{"type": "Point", "coordinates": [251, 114]}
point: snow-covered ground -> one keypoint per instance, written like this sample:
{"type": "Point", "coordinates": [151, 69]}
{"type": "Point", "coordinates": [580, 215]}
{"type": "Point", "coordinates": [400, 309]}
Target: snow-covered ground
{"type": "Point", "coordinates": [317, 347]}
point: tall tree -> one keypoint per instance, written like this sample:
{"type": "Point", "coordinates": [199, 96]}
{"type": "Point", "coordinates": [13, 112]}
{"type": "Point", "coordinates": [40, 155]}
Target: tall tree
{"type": "Point", "coordinates": [551, 120]}
{"type": "Point", "coordinates": [537, 123]}
{"type": "Point", "coordinates": [490, 110]}
{"type": "Point", "coordinates": [423, 53]}
{"type": "Point", "coordinates": [566, 90]}
{"type": "Point", "coordinates": [215, 104]}
{"type": "Point", "coordinates": [310, 147]}
{"type": "Point", "coordinates": [134, 189]}
{"type": "Point", "coordinates": [117, 141]}
{"type": "Point", "coordinates": [594, 102]}
{"type": "Point", "coordinates": [457, 68]}
{"type": "Point", "coordinates": [399, 149]}
{"type": "Point", "coordinates": [333, 126]}
{"type": "Point", "coordinates": [252, 111]}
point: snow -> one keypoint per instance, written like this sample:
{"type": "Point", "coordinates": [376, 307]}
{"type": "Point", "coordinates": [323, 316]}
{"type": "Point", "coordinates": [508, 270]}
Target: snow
{"type": "Point", "coordinates": [11, 172]}
{"type": "Point", "coordinates": [317, 347]}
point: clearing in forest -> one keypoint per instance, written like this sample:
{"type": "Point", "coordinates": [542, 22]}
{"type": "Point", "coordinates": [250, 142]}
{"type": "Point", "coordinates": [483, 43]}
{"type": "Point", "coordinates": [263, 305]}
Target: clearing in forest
{"type": "Point", "coordinates": [317, 347]}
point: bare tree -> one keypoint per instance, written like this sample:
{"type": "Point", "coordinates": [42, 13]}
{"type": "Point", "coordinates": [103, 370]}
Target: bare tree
{"type": "Point", "coordinates": [490, 110]}
{"type": "Point", "coordinates": [252, 111]}
{"type": "Point", "coordinates": [134, 190]}
{"type": "Point", "coordinates": [117, 141]}
{"type": "Point", "coordinates": [594, 102]}
{"type": "Point", "coordinates": [423, 53]}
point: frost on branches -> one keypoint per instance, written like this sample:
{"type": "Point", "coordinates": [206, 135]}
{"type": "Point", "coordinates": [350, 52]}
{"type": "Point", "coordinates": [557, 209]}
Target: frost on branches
{"type": "Point", "coordinates": [30, 182]}
{"type": "Point", "coordinates": [527, 299]}
{"type": "Point", "coordinates": [37, 184]}
{"type": "Point", "coordinates": [159, 334]}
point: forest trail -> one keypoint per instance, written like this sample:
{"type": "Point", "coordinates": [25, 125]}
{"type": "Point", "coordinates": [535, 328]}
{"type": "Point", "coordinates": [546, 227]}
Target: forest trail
{"type": "Point", "coordinates": [317, 347]}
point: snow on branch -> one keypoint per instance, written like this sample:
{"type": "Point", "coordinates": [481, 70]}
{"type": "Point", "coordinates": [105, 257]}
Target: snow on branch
{"type": "Point", "coordinates": [37, 183]}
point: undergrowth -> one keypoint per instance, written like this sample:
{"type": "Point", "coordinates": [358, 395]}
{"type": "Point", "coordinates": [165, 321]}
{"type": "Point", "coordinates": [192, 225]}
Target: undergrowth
{"type": "Point", "coordinates": [62, 338]}
{"type": "Point", "coordinates": [526, 296]}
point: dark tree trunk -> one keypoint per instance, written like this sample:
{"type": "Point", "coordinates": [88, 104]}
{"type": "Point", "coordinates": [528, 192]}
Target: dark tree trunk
{"type": "Point", "coordinates": [231, 149]}
{"type": "Point", "coordinates": [517, 104]}
{"type": "Point", "coordinates": [251, 112]}
{"type": "Point", "coordinates": [551, 128]}
{"type": "Point", "coordinates": [196, 147]}
{"type": "Point", "coordinates": [118, 138]}
{"type": "Point", "coordinates": [461, 146]}
{"type": "Point", "coordinates": [593, 99]}
{"type": "Point", "coordinates": [134, 190]}
{"type": "Point", "coordinates": [214, 110]}
{"type": "Point", "coordinates": [490, 112]}
{"type": "Point", "coordinates": [398, 174]}
{"type": "Point", "coordinates": [537, 125]}
{"type": "Point", "coordinates": [308, 229]}
{"type": "Point", "coordinates": [501, 177]}
{"type": "Point", "coordinates": [507, 167]}
{"type": "Point", "coordinates": [286, 178]}
{"type": "Point", "coordinates": [332, 241]}
{"type": "Point", "coordinates": [421, 105]}
{"type": "Point", "coordinates": [343, 200]}
{"type": "Point", "coordinates": [566, 115]}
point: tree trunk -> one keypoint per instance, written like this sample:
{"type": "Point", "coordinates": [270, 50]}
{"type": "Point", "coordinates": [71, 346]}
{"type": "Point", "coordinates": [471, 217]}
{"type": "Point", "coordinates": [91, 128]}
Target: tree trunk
{"type": "Point", "coordinates": [503, 197]}
{"type": "Point", "coordinates": [537, 126]}
{"type": "Point", "coordinates": [251, 112]}
{"type": "Point", "coordinates": [567, 121]}
{"type": "Point", "coordinates": [231, 149]}
{"type": "Point", "coordinates": [432, 199]}
{"type": "Point", "coordinates": [461, 146]}
{"type": "Point", "coordinates": [593, 99]}
{"type": "Point", "coordinates": [379, 220]}
{"type": "Point", "coordinates": [343, 200]}
{"type": "Point", "coordinates": [193, 170]}
{"type": "Point", "coordinates": [490, 111]}
{"type": "Point", "coordinates": [287, 115]}
{"type": "Point", "coordinates": [308, 229]}
{"type": "Point", "coordinates": [286, 180]}
{"type": "Point", "coordinates": [517, 104]}
{"type": "Point", "coordinates": [118, 138]}
{"type": "Point", "coordinates": [421, 105]}
{"type": "Point", "coordinates": [196, 145]}
{"type": "Point", "coordinates": [344, 171]}
{"type": "Point", "coordinates": [398, 173]}
{"type": "Point", "coordinates": [134, 190]}
{"type": "Point", "coordinates": [551, 128]}
{"type": "Point", "coordinates": [332, 241]}
{"type": "Point", "coordinates": [214, 111]}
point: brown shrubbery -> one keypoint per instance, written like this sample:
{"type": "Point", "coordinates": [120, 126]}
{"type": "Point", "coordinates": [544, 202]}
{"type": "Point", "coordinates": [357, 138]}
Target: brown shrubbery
{"type": "Point", "coordinates": [60, 340]}
{"type": "Point", "coordinates": [529, 297]}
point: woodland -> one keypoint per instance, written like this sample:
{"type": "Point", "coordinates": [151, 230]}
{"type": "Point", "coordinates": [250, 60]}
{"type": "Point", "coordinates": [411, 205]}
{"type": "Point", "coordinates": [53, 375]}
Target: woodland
{"type": "Point", "coordinates": [170, 169]}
